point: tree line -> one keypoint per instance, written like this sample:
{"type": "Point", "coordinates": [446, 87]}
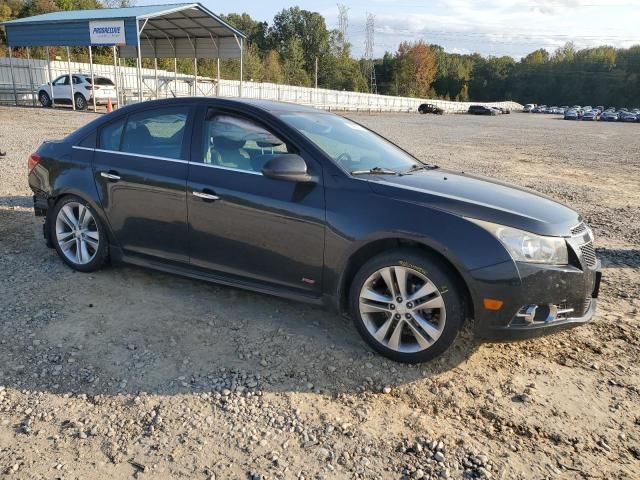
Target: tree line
{"type": "Point", "coordinates": [297, 47]}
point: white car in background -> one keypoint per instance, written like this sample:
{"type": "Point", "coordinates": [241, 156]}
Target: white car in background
{"type": "Point", "coordinates": [83, 91]}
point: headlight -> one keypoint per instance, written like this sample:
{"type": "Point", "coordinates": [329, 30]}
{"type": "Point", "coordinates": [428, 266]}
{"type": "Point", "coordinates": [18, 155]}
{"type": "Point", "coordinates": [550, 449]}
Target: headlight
{"type": "Point", "coordinates": [528, 247]}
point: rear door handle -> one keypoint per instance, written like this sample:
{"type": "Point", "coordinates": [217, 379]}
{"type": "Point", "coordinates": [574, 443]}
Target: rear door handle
{"type": "Point", "coordinates": [110, 176]}
{"type": "Point", "coordinates": [206, 196]}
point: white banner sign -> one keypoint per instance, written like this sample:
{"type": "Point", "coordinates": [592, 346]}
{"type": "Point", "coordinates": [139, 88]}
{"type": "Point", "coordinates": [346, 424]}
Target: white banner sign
{"type": "Point", "coordinates": [107, 32]}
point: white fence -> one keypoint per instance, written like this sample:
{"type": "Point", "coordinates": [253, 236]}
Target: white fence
{"type": "Point", "coordinates": [26, 81]}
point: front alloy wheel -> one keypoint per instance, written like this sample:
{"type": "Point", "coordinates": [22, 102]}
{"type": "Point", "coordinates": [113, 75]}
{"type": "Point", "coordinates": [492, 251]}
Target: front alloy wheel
{"type": "Point", "coordinates": [81, 102]}
{"type": "Point", "coordinates": [407, 305]}
{"type": "Point", "coordinates": [44, 99]}
{"type": "Point", "coordinates": [402, 309]}
{"type": "Point", "coordinates": [78, 235]}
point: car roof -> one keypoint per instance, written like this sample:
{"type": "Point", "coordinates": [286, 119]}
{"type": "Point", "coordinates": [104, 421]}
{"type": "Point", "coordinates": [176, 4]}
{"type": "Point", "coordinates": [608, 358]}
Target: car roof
{"type": "Point", "coordinates": [270, 106]}
{"type": "Point", "coordinates": [267, 106]}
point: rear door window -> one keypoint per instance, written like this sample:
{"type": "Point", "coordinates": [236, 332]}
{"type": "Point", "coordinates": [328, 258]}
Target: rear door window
{"type": "Point", "coordinates": [158, 132]}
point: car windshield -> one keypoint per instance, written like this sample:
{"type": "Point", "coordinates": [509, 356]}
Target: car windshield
{"type": "Point", "coordinates": [351, 146]}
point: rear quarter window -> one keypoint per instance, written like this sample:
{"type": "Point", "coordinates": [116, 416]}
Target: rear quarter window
{"type": "Point", "coordinates": [111, 134]}
{"type": "Point", "coordinates": [89, 141]}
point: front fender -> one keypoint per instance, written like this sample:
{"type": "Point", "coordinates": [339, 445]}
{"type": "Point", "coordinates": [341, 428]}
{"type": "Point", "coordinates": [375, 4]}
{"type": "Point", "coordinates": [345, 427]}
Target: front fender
{"type": "Point", "coordinates": [355, 223]}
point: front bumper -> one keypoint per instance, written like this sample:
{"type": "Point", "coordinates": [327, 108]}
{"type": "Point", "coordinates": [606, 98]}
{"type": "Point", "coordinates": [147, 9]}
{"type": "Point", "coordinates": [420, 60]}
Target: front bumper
{"type": "Point", "coordinates": [518, 285]}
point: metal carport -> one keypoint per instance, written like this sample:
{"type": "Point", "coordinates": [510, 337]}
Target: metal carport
{"type": "Point", "coordinates": [185, 30]}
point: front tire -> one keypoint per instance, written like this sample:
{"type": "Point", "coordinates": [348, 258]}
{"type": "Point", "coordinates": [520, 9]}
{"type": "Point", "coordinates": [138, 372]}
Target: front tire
{"type": "Point", "coordinates": [78, 235]}
{"type": "Point", "coordinates": [44, 99]}
{"type": "Point", "coordinates": [407, 305]}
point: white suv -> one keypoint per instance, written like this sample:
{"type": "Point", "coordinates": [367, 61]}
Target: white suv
{"type": "Point", "coordinates": [83, 91]}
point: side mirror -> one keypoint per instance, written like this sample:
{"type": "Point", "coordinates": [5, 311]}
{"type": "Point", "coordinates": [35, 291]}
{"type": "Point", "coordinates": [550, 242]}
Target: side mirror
{"type": "Point", "coordinates": [287, 166]}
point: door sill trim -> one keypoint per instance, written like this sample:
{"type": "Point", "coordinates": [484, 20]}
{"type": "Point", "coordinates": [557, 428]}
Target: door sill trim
{"type": "Point", "coordinates": [213, 277]}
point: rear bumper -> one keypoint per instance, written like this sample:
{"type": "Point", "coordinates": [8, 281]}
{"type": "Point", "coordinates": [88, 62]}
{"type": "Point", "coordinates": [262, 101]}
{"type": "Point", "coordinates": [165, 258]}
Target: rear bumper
{"type": "Point", "coordinates": [104, 100]}
{"type": "Point", "coordinates": [567, 289]}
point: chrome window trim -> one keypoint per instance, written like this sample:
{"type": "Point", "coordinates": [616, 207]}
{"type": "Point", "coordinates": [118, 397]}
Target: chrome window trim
{"type": "Point", "coordinates": [78, 147]}
{"type": "Point", "coordinates": [219, 167]}
{"type": "Point", "coordinates": [117, 152]}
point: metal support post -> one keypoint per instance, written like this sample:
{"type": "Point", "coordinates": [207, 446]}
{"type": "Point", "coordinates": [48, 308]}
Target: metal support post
{"type": "Point", "coordinates": [33, 95]}
{"type": "Point", "coordinates": [13, 79]}
{"type": "Point", "coordinates": [73, 100]}
{"type": "Point", "coordinates": [93, 80]}
{"type": "Point", "coordinates": [51, 96]}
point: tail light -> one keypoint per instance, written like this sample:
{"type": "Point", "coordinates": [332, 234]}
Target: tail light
{"type": "Point", "coordinates": [34, 159]}
{"type": "Point", "coordinates": [91, 87]}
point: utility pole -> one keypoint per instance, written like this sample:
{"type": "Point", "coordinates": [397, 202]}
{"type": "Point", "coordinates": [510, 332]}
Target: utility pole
{"type": "Point", "coordinates": [343, 22]}
{"type": "Point", "coordinates": [369, 67]}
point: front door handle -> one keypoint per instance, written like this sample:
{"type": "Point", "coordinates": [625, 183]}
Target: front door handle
{"type": "Point", "coordinates": [208, 197]}
{"type": "Point", "coordinates": [110, 176]}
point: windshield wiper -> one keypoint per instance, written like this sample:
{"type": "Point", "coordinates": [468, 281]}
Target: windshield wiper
{"type": "Point", "coordinates": [375, 171]}
{"type": "Point", "coordinates": [421, 166]}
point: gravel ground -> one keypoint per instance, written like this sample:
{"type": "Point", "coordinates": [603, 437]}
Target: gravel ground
{"type": "Point", "coordinates": [132, 373]}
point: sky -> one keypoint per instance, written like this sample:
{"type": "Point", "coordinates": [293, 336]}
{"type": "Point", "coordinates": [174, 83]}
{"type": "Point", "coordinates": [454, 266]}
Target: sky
{"type": "Point", "coordinates": [489, 27]}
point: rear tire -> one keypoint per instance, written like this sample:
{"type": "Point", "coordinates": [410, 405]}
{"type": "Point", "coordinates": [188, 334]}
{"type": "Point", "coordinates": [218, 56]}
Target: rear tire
{"type": "Point", "coordinates": [78, 234]}
{"type": "Point", "coordinates": [419, 317]}
{"type": "Point", "coordinates": [44, 99]}
{"type": "Point", "coordinates": [80, 101]}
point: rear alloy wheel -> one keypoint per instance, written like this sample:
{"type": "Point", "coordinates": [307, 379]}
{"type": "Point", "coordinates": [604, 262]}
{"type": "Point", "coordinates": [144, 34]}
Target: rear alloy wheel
{"type": "Point", "coordinates": [406, 305]}
{"type": "Point", "coordinates": [81, 102]}
{"type": "Point", "coordinates": [44, 99]}
{"type": "Point", "coordinates": [78, 235]}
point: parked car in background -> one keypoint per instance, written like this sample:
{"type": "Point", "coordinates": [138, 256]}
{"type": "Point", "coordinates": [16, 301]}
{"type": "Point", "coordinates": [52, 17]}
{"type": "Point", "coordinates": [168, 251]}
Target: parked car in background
{"type": "Point", "coordinates": [288, 200]}
{"type": "Point", "coordinates": [572, 114]}
{"type": "Point", "coordinates": [528, 107]}
{"type": "Point", "coordinates": [430, 108]}
{"type": "Point", "coordinates": [482, 110]}
{"type": "Point", "coordinates": [626, 116]}
{"type": "Point", "coordinates": [504, 110]}
{"type": "Point", "coordinates": [539, 109]}
{"type": "Point", "coordinates": [552, 110]}
{"type": "Point", "coordinates": [609, 116]}
{"type": "Point", "coordinates": [59, 91]}
{"type": "Point", "coordinates": [591, 115]}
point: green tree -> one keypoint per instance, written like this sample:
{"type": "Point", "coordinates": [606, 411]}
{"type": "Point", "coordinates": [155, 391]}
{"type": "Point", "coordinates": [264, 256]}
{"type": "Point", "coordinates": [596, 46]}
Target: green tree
{"type": "Point", "coordinates": [294, 25]}
{"type": "Point", "coordinates": [255, 31]}
{"type": "Point", "coordinates": [273, 68]}
{"type": "Point", "coordinates": [294, 63]}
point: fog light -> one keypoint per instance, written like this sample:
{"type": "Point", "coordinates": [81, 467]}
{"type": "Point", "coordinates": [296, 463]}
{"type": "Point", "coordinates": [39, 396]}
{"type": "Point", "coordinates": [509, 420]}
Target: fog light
{"type": "Point", "coordinates": [528, 313]}
{"type": "Point", "coordinates": [543, 313]}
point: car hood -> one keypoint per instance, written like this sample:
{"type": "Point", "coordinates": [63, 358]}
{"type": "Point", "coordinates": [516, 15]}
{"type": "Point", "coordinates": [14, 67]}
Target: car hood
{"type": "Point", "coordinates": [480, 198]}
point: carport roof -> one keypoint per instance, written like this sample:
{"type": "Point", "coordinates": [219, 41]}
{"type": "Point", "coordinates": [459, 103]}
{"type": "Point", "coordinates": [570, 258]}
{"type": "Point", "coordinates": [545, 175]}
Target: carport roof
{"type": "Point", "coordinates": [140, 13]}
{"type": "Point", "coordinates": [174, 30]}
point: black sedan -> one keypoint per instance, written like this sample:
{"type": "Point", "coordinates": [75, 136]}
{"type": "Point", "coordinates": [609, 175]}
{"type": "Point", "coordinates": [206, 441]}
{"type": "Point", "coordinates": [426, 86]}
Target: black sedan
{"type": "Point", "coordinates": [291, 201]}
